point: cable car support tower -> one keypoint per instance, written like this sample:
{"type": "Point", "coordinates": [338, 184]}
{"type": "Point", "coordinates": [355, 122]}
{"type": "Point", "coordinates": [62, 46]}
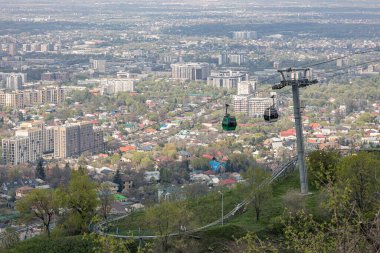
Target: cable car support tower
{"type": "Point", "coordinates": [297, 78]}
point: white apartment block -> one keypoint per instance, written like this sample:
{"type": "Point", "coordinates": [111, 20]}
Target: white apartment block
{"type": "Point", "coordinates": [190, 71]}
{"type": "Point", "coordinates": [33, 139]}
{"type": "Point", "coordinates": [251, 105]}
{"type": "Point", "coordinates": [116, 85]}
{"type": "Point", "coordinates": [12, 99]}
{"type": "Point", "coordinates": [257, 106]}
{"type": "Point", "coordinates": [245, 35]}
{"type": "Point", "coordinates": [16, 150]}
{"type": "Point", "coordinates": [35, 136]}
{"type": "Point", "coordinates": [98, 65]}
{"type": "Point", "coordinates": [48, 140]}
{"type": "Point", "coordinates": [26, 145]}
{"type": "Point", "coordinates": [246, 87]}
{"type": "Point", "coordinates": [237, 59]}
{"type": "Point", "coordinates": [227, 79]}
{"type": "Point", "coordinates": [14, 82]}
{"type": "Point", "coordinates": [240, 103]}
{"type": "Point", "coordinates": [25, 98]}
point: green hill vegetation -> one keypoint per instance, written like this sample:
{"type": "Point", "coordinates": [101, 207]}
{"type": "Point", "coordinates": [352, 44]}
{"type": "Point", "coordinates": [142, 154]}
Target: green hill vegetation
{"type": "Point", "coordinates": [342, 214]}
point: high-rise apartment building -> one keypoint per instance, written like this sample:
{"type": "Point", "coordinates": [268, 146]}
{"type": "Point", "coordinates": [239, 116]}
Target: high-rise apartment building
{"type": "Point", "coordinates": [5, 75]}
{"type": "Point", "coordinates": [190, 71]}
{"type": "Point", "coordinates": [252, 105]}
{"type": "Point", "coordinates": [98, 140]}
{"type": "Point", "coordinates": [47, 47]}
{"type": "Point", "coordinates": [48, 140]}
{"type": "Point", "coordinates": [52, 95]}
{"type": "Point", "coordinates": [35, 47]}
{"type": "Point", "coordinates": [98, 66]}
{"type": "Point", "coordinates": [55, 76]}
{"type": "Point", "coordinates": [66, 141]}
{"type": "Point", "coordinates": [14, 82]}
{"type": "Point", "coordinates": [27, 144]}
{"type": "Point", "coordinates": [116, 85]}
{"type": "Point", "coordinates": [257, 106]}
{"type": "Point", "coordinates": [12, 49]}
{"type": "Point", "coordinates": [35, 136]}
{"type": "Point", "coordinates": [237, 59]}
{"type": "Point", "coordinates": [72, 139]}
{"type": "Point", "coordinates": [246, 87]}
{"type": "Point", "coordinates": [12, 99]}
{"type": "Point", "coordinates": [222, 59]}
{"type": "Point", "coordinates": [26, 47]}
{"type": "Point", "coordinates": [233, 59]}
{"type": "Point", "coordinates": [24, 98]}
{"type": "Point", "coordinates": [244, 35]}
{"type": "Point", "coordinates": [227, 79]}
{"type": "Point", "coordinates": [33, 139]}
{"type": "Point", "coordinates": [240, 103]}
{"type": "Point", "coordinates": [15, 150]}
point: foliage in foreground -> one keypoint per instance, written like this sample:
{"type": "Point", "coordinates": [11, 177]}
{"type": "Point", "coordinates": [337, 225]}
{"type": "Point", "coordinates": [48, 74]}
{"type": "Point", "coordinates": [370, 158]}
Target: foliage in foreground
{"type": "Point", "coordinates": [351, 222]}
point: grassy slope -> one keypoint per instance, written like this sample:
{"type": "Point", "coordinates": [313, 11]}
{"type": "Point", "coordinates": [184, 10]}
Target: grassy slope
{"type": "Point", "coordinates": [267, 226]}
{"type": "Point", "coordinates": [207, 209]}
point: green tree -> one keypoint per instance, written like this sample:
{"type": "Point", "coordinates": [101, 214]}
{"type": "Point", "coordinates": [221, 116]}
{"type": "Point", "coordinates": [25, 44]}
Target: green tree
{"type": "Point", "coordinates": [365, 118]}
{"type": "Point", "coordinates": [166, 218]}
{"type": "Point", "coordinates": [115, 158]}
{"type": "Point", "coordinates": [137, 157]}
{"type": "Point", "coordinates": [322, 166]}
{"type": "Point", "coordinates": [119, 181]}
{"type": "Point", "coordinates": [9, 238]}
{"type": "Point", "coordinates": [170, 150]}
{"type": "Point", "coordinates": [103, 244]}
{"type": "Point", "coordinates": [361, 172]}
{"type": "Point", "coordinates": [146, 163]}
{"type": "Point", "coordinates": [40, 170]}
{"type": "Point", "coordinates": [165, 176]}
{"type": "Point", "coordinates": [258, 190]}
{"type": "Point", "coordinates": [240, 162]}
{"type": "Point", "coordinates": [106, 199]}
{"type": "Point", "coordinates": [54, 177]}
{"type": "Point", "coordinates": [349, 227]}
{"type": "Point", "coordinates": [251, 243]}
{"type": "Point", "coordinates": [344, 231]}
{"type": "Point", "coordinates": [304, 234]}
{"type": "Point", "coordinates": [82, 161]}
{"type": "Point", "coordinates": [40, 203]}
{"type": "Point", "coordinates": [200, 163]}
{"type": "Point", "coordinates": [81, 201]}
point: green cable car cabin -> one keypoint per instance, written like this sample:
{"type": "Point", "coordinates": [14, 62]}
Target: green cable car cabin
{"type": "Point", "coordinates": [229, 123]}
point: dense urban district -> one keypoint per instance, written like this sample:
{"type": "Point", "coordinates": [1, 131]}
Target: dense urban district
{"type": "Point", "coordinates": [111, 126]}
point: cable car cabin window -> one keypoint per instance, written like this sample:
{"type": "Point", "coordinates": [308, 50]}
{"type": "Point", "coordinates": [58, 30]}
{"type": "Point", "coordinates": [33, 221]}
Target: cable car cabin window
{"type": "Point", "coordinates": [232, 122]}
